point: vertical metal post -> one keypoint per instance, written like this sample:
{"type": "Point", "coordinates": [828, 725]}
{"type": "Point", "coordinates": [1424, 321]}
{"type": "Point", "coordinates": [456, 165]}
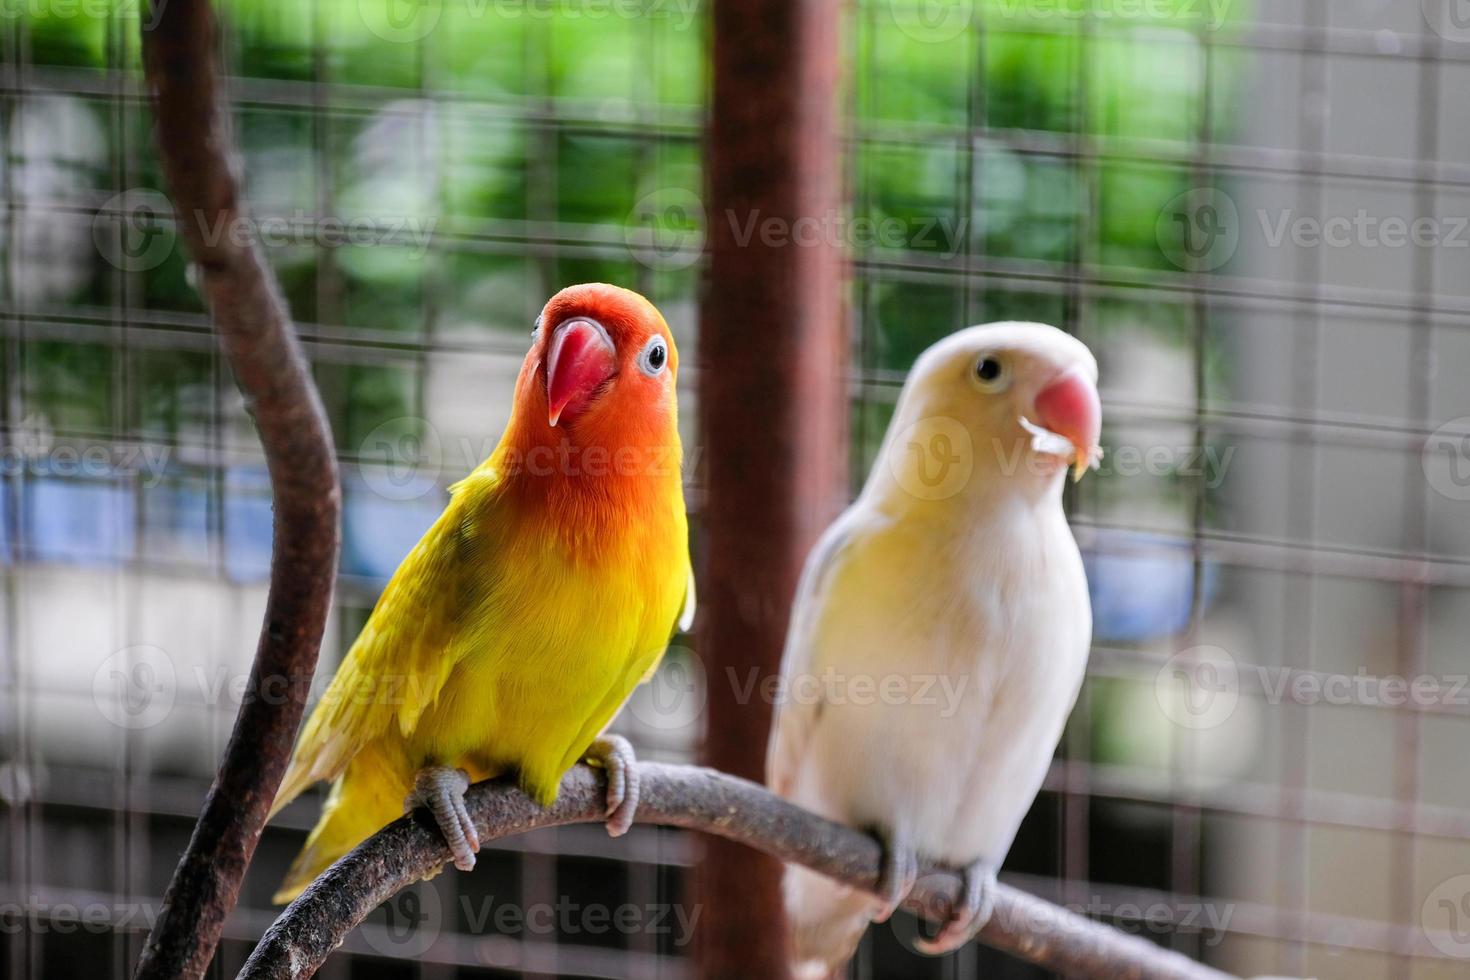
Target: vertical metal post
{"type": "Point", "coordinates": [773, 394]}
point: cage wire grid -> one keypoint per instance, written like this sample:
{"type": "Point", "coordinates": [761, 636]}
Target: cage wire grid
{"type": "Point", "coordinates": [123, 818]}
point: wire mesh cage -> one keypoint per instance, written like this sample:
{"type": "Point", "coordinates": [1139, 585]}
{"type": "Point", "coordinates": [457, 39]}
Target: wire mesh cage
{"type": "Point", "coordinates": [1256, 212]}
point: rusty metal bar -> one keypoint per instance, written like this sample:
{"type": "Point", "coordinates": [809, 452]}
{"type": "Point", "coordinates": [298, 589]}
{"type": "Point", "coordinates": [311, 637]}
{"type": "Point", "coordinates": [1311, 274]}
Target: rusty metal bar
{"type": "Point", "coordinates": [773, 394]}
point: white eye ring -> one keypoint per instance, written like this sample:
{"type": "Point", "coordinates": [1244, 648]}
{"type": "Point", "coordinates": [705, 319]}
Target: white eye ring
{"type": "Point", "coordinates": [991, 374]}
{"type": "Point", "coordinates": [654, 358]}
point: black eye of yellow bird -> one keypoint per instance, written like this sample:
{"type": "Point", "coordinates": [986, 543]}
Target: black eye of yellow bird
{"type": "Point", "coordinates": [654, 357]}
{"type": "Point", "coordinates": [988, 369]}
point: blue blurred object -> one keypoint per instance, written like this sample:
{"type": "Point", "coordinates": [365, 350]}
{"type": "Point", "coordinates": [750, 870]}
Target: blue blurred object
{"type": "Point", "coordinates": [247, 524]}
{"type": "Point", "coordinates": [377, 532]}
{"type": "Point", "coordinates": [82, 521]}
{"type": "Point", "coordinates": [1141, 585]}
{"type": "Point", "coordinates": [92, 522]}
{"type": "Point", "coordinates": [176, 518]}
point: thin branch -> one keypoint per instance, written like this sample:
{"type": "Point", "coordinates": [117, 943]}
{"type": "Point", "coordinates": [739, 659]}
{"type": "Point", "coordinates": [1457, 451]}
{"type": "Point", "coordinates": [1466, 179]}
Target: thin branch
{"type": "Point", "coordinates": [256, 335]}
{"type": "Point", "coordinates": [411, 849]}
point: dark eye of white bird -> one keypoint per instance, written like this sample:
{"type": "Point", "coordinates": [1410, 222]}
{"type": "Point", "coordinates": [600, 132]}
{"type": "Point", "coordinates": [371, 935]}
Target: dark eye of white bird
{"type": "Point", "coordinates": [988, 369]}
{"type": "Point", "coordinates": [654, 357]}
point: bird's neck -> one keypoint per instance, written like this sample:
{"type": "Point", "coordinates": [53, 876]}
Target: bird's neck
{"type": "Point", "coordinates": [596, 481]}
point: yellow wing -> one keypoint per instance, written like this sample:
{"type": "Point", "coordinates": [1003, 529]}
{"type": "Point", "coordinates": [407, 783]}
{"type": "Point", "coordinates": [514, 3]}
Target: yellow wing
{"type": "Point", "coordinates": [400, 661]}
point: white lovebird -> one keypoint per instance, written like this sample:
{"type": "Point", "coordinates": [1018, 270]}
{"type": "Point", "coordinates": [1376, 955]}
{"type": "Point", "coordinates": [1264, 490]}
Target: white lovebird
{"type": "Point", "coordinates": [941, 631]}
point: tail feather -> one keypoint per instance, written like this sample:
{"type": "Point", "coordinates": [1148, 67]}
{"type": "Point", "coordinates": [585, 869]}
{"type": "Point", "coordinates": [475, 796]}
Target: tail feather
{"type": "Point", "coordinates": [828, 920]}
{"type": "Point", "coordinates": [297, 780]}
{"type": "Point", "coordinates": [366, 798]}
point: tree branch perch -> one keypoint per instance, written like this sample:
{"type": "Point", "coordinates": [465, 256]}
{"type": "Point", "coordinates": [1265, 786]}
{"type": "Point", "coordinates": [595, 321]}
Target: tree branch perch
{"type": "Point", "coordinates": [256, 335]}
{"type": "Point", "coordinates": [411, 848]}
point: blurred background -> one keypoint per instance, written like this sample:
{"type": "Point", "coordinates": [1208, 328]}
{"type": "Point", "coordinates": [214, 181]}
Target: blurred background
{"type": "Point", "coordinates": [1256, 212]}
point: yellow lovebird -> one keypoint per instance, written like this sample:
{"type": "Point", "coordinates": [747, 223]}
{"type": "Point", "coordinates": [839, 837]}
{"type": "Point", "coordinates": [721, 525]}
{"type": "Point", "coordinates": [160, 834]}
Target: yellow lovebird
{"type": "Point", "coordinates": [516, 628]}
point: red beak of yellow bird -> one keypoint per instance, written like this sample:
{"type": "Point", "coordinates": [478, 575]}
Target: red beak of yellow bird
{"type": "Point", "coordinates": [514, 631]}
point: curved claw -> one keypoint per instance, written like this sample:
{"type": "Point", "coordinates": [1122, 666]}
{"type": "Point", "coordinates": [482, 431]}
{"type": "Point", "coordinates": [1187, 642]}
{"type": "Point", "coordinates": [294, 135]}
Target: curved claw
{"type": "Point", "coordinates": [614, 754]}
{"type": "Point", "coordinates": [900, 871]}
{"type": "Point", "coordinates": [441, 790]}
{"type": "Point", "coordinates": [969, 914]}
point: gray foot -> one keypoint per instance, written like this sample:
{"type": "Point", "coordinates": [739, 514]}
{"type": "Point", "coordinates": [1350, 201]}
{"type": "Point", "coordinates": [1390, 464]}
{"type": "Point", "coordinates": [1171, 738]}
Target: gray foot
{"type": "Point", "coordinates": [613, 753]}
{"type": "Point", "coordinates": [441, 790]}
{"type": "Point", "coordinates": [900, 871]}
{"type": "Point", "coordinates": [969, 914]}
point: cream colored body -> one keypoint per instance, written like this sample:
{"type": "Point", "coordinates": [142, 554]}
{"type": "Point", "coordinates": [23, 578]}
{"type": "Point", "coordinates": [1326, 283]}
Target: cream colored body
{"type": "Point", "coordinates": [973, 606]}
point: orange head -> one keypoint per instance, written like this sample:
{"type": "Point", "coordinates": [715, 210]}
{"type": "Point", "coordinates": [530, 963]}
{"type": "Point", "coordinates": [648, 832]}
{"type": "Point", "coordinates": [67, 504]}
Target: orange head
{"type": "Point", "coordinates": [600, 372]}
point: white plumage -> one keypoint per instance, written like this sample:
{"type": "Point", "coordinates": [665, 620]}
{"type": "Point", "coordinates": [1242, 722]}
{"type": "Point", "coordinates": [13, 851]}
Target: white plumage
{"type": "Point", "coordinates": [941, 627]}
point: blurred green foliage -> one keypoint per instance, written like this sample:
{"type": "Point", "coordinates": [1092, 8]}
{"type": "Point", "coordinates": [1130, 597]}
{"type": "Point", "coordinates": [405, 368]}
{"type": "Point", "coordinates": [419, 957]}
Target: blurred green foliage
{"type": "Point", "coordinates": [1028, 137]}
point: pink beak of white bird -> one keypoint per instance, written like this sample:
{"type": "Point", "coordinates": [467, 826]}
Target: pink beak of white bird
{"type": "Point", "coordinates": [1068, 420]}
